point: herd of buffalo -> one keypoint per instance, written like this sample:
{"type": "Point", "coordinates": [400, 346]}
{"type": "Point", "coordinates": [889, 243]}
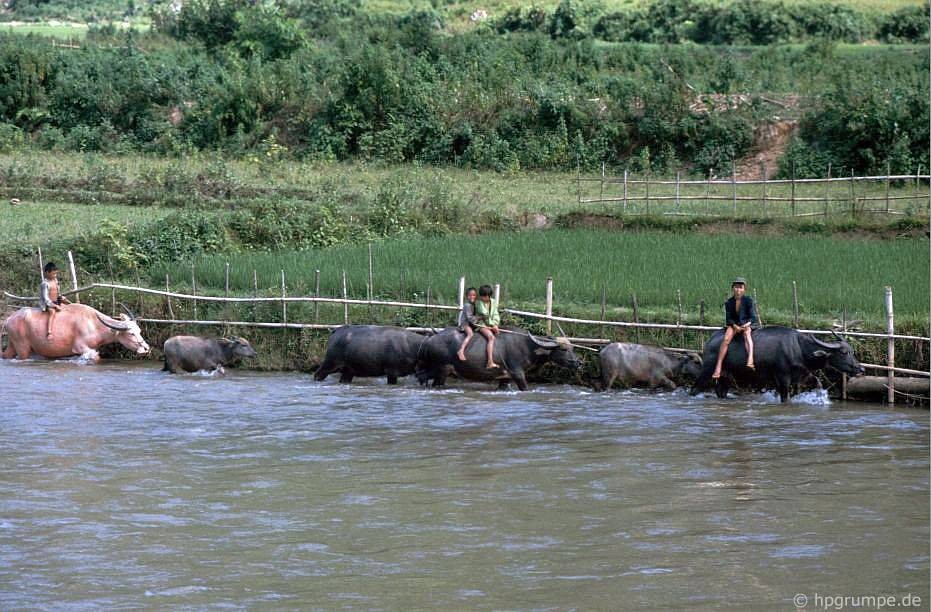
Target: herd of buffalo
{"type": "Point", "coordinates": [784, 357]}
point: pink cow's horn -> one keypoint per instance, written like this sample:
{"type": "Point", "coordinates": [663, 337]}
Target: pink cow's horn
{"type": "Point", "coordinates": [113, 326]}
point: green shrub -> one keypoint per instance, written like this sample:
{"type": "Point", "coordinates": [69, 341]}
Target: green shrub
{"type": "Point", "coordinates": [908, 24]}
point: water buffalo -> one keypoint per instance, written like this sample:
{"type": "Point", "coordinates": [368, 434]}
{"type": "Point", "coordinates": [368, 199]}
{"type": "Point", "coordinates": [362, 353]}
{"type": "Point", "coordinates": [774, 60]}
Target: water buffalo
{"type": "Point", "coordinates": [515, 349]}
{"type": "Point", "coordinates": [636, 364]}
{"type": "Point", "coordinates": [783, 357]}
{"type": "Point", "coordinates": [370, 350]}
{"type": "Point", "coordinates": [78, 330]}
{"type": "Point", "coordinates": [192, 353]}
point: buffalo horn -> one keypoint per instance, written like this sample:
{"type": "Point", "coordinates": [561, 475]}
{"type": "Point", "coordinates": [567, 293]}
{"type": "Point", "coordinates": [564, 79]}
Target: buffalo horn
{"type": "Point", "coordinates": [128, 312]}
{"type": "Point", "coordinates": [550, 344]}
{"type": "Point", "coordinates": [115, 327]}
{"type": "Point", "coordinates": [828, 345]}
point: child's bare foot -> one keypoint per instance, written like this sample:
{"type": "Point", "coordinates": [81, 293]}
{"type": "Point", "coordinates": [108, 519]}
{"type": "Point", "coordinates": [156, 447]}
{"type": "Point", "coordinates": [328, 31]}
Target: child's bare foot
{"type": "Point", "coordinates": [491, 365]}
{"type": "Point", "coordinates": [750, 366]}
{"type": "Point", "coordinates": [461, 356]}
{"type": "Point", "coordinates": [48, 336]}
{"type": "Point", "coordinates": [716, 375]}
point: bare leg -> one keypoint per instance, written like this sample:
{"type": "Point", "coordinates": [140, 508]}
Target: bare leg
{"type": "Point", "coordinates": [748, 342]}
{"type": "Point", "coordinates": [465, 344]}
{"type": "Point", "coordinates": [489, 347]}
{"type": "Point", "coordinates": [51, 319]}
{"type": "Point", "coordinates": [722, 352]}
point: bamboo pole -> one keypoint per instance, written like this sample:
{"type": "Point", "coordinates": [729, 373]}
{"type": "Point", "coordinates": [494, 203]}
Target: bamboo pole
{"type": "Point", "coordinates": [887, 187]}
{"type": "Point", "coordinates": [345, 297]}
{"type": "Point", "coordinates": [679, 317]}
{"type": "Point", "coordinates": [625, 190]}
{"type": "Point", "coordinates": [890, 347]}
{"type": "Point", "coordinates": [601, 192]}
{"type": "Point", "coordinates": [316, 295]}
{"type": "Point", "coordinates": [843, 377]}
{"type": "Point", "coordinates": [171, 312]}
{"type": "Point", "coordinates": [678, 201]}
{"type": "Point", "coordinates": [255, 291]}
{"type": "Point", "coordinates": [112, 289]}
{"type": "Point", "coordinates": [461, 295]}
{"type": "Point", "coordinates": [917, 183]}
{"type": "Point", "coordinates": [498, 292]}
{"type": "Point", "coordinates": [701, 321]}
{"type": "Point", "coordinates": [74, 277]}
{"type": "Point", "coordinates": [633, 298]}
{"type": "Point", "coordinates": [795, 303]}
{"type": "Point", "coordinates": [827, 192]}
{"type": "Point", "coordinates": [793, 189]}
{"type": "Point", "coordinates": [371, 274]}
{"type": "Point", "coordinates": [41, 264]}
{"type": "Point", "coordinates": [853, 198]}
{"type": "Point", "coordinates": [194, 290]}
{"type": "Point", "coordinates": [648, 193]}
{"type": "Point", "coordinates": [284, 303]}
{"type": "Point", "coordinates": [763, 178]}
{"type": "Point", "coordinates": [549, 305]}
{"type": "Point", "coordinates": [578, 170]}
{"type": "Point", "coordinates": [604, 306]}
{"type": "Point", "coordinates": [226, 283]}
{"type": "Point", "coordinates": [734, 184]}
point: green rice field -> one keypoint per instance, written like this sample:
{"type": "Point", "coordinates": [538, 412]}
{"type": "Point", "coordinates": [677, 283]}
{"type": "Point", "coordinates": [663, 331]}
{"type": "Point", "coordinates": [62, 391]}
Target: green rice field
{"type": "Point", "coordinates": [830, 273]}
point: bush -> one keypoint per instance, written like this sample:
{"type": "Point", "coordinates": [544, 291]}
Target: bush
{"type": "Point", "coordinates": [909, 24]}
{"type": "Point", "coordinates": [832, 21]}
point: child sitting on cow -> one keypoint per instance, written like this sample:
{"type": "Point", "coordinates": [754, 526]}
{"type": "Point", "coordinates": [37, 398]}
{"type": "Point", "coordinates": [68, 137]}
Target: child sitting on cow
{"type": "Point", "coordinates": [50, 300]}
{"type": "Point", "coordinates": [486, 312]}
{"type": "Point", "coordinates": [740, 319]}
{"type": "Point", "coordinates": [467, 321]}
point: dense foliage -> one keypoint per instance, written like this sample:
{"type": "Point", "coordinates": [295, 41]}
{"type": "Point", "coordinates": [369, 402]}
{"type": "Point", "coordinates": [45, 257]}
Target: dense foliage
{"type": "Point", "coordinates": [328, 81]}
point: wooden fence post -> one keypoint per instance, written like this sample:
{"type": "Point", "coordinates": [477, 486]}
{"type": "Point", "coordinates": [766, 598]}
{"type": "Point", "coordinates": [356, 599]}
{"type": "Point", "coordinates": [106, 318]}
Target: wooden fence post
{"type": "Point", "coordinates": [677, 190]}
{"type": "Point", "coordinates": [371, 275]}
{"type": "Point", "coordinates": [648, 193]}
{"type": "Point", "coordinates": [795, 303]}
{"type": "Point", "coordinates": [625, 191]}
{"type": "Point", "coordinates": [41, 264]}
{"type": "Point", "coordinates": [549, 305]}
{"type": "Point", "coordinates": [578, 182]}
{"type": "Point", "coordinates": [890, 348]}
{"type": "Point", "coordinates": [827, 192]}
{"type": "Point", "coordinates": [734, 184]}
{"type": "Point", "coordinates": [679, 317]}
{"type": "Point", "coordinates": [793, 189]}
{"type": "Point", "coordinates": [601, 194]}
{"type": "Point", "coordinates": [461, 294]}
{"type": "Point", "coordinates": [227, 280]}
{"type": "Point", "coordinates": [498, 292]}
{"type": "Point", "coordinates": [701, 321]}
{"type": "Point", "coordinates": [171, 313]}
{"type": "Point", "coordinates": [763, 178]}
{"type": "Point", "coordinates": [633, 299]}
{"type": "Point", "coordinates": [604, 306]}
{"type": "Point", "coordinates": [255, 292]}
{"type": "Point", "coordinates": [74, 278]}
{"type": "Point", "coordinates": [888, 174]}
{"type": "Point", "coordinates": [843, 378]}
{"type": "Point", "coordinates": [345, 297]}
{"type": "Point", "coordinates": [853, 197]}
{"type": "Point", "coordinates": [194, 290]}
{"type": "Point", "coordinates": [917, 183]}
{"type": "Point", "coordinates": [284, 304]}
{"type": "Point", "coordinates": [316, 295]}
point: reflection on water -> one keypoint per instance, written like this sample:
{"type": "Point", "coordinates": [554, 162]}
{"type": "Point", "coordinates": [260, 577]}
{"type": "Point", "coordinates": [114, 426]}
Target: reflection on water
{"type": "Point", "coordinates": [122, 486]}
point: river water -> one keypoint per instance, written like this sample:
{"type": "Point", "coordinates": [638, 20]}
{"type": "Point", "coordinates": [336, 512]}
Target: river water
{"type": "Point", "coordinates": [121, 486]}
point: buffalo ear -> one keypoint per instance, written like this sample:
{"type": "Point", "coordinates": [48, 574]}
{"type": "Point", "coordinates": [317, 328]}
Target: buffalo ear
{"type": "Point", "coordinates": [819, 353]}
{"type": "Point", "coordinates": [542, 352]}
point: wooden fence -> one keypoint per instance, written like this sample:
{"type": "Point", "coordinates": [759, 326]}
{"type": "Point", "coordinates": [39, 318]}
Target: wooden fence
{"type": "Point", "coordinates": [547, 316]}
{"type": "Point", "coordinates": [777, 197]}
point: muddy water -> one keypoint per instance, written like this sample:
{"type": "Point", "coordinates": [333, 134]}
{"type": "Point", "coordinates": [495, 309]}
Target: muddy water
{"type": "Point", "coordinates": [124, 487]}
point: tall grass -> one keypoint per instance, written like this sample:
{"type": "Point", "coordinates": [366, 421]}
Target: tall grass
{"type": "Point", "coordinates": [831, 274]}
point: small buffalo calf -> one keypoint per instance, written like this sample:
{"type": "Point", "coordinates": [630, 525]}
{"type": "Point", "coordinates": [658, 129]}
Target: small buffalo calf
{"type": "Point", "coordinates": [651, 366]}
{"type": "Point", "coordinates": [192, 353]}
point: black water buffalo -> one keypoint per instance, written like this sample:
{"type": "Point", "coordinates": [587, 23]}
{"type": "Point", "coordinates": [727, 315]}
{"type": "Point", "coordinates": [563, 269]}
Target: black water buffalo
{"type": "Point", "coordinates": [515, 349]}
{"type": "Point", "coordinates": [192, 353]}
{"type": "Point", "coordinates": [636, 364]}
{"type": "Point", "coordinates": [370, 350]}
{"type": "Point", "coordinates": [782, 356]}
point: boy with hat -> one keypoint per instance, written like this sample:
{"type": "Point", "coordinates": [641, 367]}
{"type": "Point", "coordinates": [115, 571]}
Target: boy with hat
{"type": "Point", "coordinates": [740, 319]}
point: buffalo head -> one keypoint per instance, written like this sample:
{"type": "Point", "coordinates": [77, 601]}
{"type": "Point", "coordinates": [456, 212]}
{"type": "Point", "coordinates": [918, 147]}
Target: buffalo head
{"type": "Point", "coordinates": [127, 332]}
{"type": "Point", "coordinates": [238, 347]}
{"type": "Point", "coordinates": [559, 350]}
{"type": "Point", "coordinates": [839, 355]}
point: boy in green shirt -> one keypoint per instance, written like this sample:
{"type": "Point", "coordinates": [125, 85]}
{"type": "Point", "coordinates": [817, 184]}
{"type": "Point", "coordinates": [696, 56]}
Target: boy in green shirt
{"type": "Point", "coordinates": [487, 320]}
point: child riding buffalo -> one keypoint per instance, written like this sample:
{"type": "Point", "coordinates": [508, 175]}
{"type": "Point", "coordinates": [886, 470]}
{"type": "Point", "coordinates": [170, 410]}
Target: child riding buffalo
{"type": "Point", "coordinates": [740, 319]}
